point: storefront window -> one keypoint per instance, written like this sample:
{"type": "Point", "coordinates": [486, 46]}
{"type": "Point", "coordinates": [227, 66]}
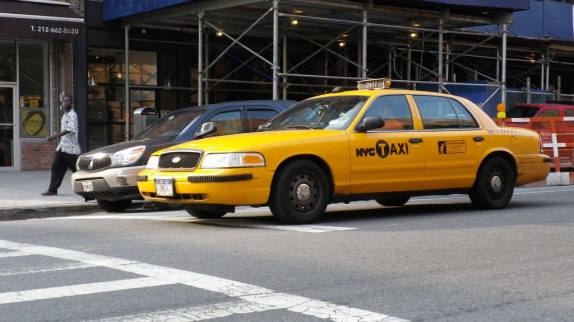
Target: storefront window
{"type": "Point", "coordinates": [7, 60]}
{"type": "Point", "coordinates": [106, 92]}
{"type": "Point", "coordinates": [33, 82]}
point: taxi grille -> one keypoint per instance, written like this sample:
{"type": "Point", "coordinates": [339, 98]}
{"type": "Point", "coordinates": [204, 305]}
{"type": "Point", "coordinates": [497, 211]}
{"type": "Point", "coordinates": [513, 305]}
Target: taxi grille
{"type": "Point", "coordinates": [179, 160]}
{"type": "Point", "coordinates": [89, 163]}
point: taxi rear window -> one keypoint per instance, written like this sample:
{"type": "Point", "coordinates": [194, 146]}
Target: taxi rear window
{"type": "Point", "coordinates": [443, 113]}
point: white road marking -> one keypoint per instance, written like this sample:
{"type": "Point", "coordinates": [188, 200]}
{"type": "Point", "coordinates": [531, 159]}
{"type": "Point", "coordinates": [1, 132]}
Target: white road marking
{"type": "Point", "coordinates": [299, 228]}
{"type": "Point", "coordinates": [13, 254]}
{"type": "Point", "coordinates": [197, 313]}
{"type": "Point", "coordinates": [80, 289]}
{"type": "Point", "coordinates": [62, 267]}
{"type": "Point", "coordinates": [257, 297]}
{"type": "Point", "coordinates": [215, 222]}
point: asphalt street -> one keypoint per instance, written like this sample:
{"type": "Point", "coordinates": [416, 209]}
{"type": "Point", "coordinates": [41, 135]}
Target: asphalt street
{"type": "Point", "coordinates": [436, 259]}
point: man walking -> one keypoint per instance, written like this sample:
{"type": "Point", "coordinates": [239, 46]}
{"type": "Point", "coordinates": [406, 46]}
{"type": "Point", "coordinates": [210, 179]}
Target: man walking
{"type": "Point", "coordinates": [67, 150]}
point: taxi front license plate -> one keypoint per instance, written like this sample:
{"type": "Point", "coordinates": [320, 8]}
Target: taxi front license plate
{"type": "Point", "coordinates": [164, 187]}
{"type": "Point", "coordinates": [87, 186]}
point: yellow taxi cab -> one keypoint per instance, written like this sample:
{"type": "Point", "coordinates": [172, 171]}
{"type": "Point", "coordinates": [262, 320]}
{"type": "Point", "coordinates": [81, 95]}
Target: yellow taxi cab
{"type": "Point", "coordinates": [373, 143]}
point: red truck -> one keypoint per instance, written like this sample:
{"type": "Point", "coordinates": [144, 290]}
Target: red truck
{"type": "Point", "coordinates": [540, 117]}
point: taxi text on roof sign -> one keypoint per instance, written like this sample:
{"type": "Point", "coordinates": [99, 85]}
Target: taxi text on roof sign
{"type": "Point", "coordinates": [380, 83]}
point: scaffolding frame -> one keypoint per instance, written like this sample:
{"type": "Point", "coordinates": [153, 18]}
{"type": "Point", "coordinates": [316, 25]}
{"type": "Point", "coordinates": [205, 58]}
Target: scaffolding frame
{"type": "Point", "coordinates": [376, 27]}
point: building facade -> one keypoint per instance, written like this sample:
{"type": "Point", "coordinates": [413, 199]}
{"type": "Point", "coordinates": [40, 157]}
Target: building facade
{"type": "Point", "coordinates": [37, 41]}
{"type": "Point", "coordinates": [172, 54]}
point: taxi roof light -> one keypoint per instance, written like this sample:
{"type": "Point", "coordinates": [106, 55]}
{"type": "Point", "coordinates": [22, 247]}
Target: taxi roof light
{"type": "Point", "coordinates": [380, 83]}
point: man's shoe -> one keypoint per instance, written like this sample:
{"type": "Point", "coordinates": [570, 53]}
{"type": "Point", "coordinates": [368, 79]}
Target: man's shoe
{"type": "Point", "coordinates": [49, 193]}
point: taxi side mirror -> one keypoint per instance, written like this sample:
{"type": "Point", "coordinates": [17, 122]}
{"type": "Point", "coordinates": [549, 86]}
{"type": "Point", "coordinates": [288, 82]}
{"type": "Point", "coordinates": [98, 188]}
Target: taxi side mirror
{"type": "Point", "coordinates": [369, 123]}
{"type": "Point", "coordinates": [206, 128]}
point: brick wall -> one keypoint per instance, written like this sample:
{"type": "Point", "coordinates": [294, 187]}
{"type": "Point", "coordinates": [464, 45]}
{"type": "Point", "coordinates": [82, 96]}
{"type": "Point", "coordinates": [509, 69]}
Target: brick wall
{"type": "Point", "coordinates": [37, 155]}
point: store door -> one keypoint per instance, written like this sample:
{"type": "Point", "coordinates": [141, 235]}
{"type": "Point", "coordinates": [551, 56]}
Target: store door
{"type": "Point", "coordinates": [9, 144]}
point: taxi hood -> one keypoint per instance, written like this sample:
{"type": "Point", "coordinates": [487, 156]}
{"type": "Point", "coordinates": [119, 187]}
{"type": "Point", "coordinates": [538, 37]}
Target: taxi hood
{"type": "Point", "coordinates": [256, 141]}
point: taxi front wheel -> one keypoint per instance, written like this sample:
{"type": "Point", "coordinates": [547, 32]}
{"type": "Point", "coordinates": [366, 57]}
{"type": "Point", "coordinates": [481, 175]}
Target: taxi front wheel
{"type": "Point", "coordinates": [300, 193]}
{"type": "Point", "coordinates": [204, 214]}
{"type": "Point", "coordinates": [494, 185]}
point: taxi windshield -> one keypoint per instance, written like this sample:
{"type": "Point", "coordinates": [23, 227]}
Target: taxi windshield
{"type": "Point", "coordinates": [333, 112]}
{"type": "Point", "coordinates": [170, 125]}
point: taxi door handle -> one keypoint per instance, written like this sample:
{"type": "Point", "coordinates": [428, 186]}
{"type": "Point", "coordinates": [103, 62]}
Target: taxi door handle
{"type": "Point", "coordinates": [415, 140]}
{"type": "Point", "coordinates": [478, 139]}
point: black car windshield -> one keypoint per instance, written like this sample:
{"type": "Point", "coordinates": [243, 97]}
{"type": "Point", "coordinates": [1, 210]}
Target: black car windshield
{"type": "Point", "coordinates": [522, 111]}
{"type": "Point", "coordinates": [333, 112]}
{"type": "Point", "coordinates": [170, 125]}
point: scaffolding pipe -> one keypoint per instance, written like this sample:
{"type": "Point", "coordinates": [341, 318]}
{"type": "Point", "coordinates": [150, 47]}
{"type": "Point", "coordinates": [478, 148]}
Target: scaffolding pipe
{"type": "Point", "coordinates": [503, 80]}
{"type": "Point", "coordinates": [440, 54]}
{"type": "Point", "coordinates": [200, 59]}
{"type": "Point", "coordinates": [127, 80]}
{"type": "Point", "coordinates": [542, 73]}
{"type": "Point", "coordinates": [275, 66]}
{"type": "Point", "coordinates": [284, 64]}
{"type": "Point", "coordinates": [528, 96]}
{"type": "Point", "coordinates": [365, 38]}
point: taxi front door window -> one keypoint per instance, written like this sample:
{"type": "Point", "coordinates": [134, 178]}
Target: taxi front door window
{"type": "Point", "coordinates": [394, 110]}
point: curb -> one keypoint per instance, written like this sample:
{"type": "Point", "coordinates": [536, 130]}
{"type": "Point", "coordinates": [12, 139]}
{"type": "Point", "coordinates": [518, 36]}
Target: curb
{"type": "Point", "coordinates": [46, 212]}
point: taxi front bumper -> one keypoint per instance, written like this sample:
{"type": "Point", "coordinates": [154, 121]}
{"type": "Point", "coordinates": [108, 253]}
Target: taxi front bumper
{"type": "Point", "coordinates": [233, 187]}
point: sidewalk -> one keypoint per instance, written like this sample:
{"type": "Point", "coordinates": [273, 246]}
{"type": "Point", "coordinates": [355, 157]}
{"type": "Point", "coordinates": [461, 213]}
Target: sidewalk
{"type": "Point", "coordinates": [20, 197]}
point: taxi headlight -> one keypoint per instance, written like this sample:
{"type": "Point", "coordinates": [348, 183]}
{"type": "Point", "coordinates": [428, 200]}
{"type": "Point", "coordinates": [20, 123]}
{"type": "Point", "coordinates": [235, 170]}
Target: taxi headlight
{"type": "Point", "coordinates": [232, 160]}
{"type": "Point", "coordinates": [128, 156]}
{"type": "Point", "coordinates": [153, 162]}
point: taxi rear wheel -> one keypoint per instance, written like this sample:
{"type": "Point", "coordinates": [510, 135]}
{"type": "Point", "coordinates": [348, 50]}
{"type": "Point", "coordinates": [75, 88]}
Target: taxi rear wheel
{"type": "Point", "coordinates": [392, 202]}
{"type": "Point", "coordinates": [114, 206]}
{"type": "Point", "coordinates": [494, 185]}
{"type": "Point", "coordinates": [300, 193]}
{"type": "Point", "coordinates": [204, 214]}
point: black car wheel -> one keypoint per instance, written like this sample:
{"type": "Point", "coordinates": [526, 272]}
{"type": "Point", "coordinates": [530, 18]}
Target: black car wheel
{"type": "Point", "coordinates": [114, 206]}
{"type": "Point", "coordinates": [300, 193]}
{"type": "Point", "coordinates": [494, 185]}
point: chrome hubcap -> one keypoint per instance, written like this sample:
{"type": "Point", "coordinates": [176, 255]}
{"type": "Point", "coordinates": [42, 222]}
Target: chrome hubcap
{"type": "Point", "coordinates": [496, 184]}
{"type": "Point", "coordinates": [303, 192]}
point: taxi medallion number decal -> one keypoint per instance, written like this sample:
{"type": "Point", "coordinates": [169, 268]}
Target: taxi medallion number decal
{"type": "Point", "coordinates": [451, 147]}
{"type": "Point", "coordinates": [164, 187]}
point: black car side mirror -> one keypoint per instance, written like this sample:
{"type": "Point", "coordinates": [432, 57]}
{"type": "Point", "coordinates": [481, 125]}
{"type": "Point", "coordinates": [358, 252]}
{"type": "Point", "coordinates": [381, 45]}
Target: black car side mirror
{"type": "Point", "coordinates": [206, 128]}
{"type": "Point", "coordinates": [369, 123]}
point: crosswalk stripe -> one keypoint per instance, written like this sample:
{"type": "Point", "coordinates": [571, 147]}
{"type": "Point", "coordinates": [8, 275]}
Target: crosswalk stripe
{"type": "Point", "coordinates": [160, 275]}
{"type": "Point", "coordinates": [198, 313]}
{"type": "Point", "coordinates": [54, 268]}
{"type": "Point", "coordinates": [79, 289]}
{"type": "Point", "coordinates": [213, 222]}
{"type": "Point", "coordinates": [13, 254]}
{"type": "Point", "coordinates": [299, 228]}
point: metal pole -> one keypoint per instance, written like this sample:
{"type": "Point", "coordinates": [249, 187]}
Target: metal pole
{"type": "Point", "coordinates": [364, 59]}
{"type": "Point", "coordinates": [409, 61]}
{"type": "Point", "coordinates": [528, 95]}
{"type": "Point", "coordinates": [127, 80]}
{"type": "Point", "coordinates": [440, 58]}
{"type": "Point", "coordinates": [542, 73]}
{"type": "Point", "coordinates": [200, 59]}
{"type": "Point", "coordinates": [275, 66]}
{"type": "Point", "coordinates": [503, 80]}
{"type": "Point", "coordinates": [285, 63]}
{"type": "Point", "coordinates": [558, 91]}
